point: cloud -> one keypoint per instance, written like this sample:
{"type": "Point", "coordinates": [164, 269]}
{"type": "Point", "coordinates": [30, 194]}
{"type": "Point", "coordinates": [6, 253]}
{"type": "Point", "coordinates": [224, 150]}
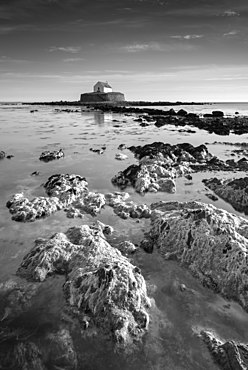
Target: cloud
{"type": "Point", "coordinates": [73, 60]}
{"type": "Point", "coordinates": [186, 37]}
{"type": "Point", "coordinates": [230, 13]}
{"type": "Point", "coordinates": [155, 46]}
{"type": "Point", "coordinates": [5, 59]}
{"type": "Point", "coordinates": [65, 49]}
{"type": "Point", "coordinates": [231, 33]}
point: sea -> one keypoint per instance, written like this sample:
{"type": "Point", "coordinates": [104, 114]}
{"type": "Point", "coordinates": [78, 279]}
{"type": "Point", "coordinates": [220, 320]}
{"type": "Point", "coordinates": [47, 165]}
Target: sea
{"type": "Point", "coordinates": [171, 342]}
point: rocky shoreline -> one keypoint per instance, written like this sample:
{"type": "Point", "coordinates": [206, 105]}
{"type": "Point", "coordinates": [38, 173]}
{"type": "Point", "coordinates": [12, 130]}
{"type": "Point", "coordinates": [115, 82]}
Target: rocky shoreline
{"type": "Point", "coordinates": [106, 293]}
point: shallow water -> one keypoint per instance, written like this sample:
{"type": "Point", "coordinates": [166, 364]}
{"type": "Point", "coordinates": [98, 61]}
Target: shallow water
{"type": "Point", "coordinates": [171, 342]}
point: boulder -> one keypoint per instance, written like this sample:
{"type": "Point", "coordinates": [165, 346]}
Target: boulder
{"type": "Point", "coordinates": [229, 355]}
{"type": "Point", "coordinates": [210, 242]}
{"type": "Point", "coordinates": [2, 154]}
{"type": "Point", "coordinates": [217, 113]}
{"type": "Point", "coordinates": [233, 191]}
{"type": "Point", "coordinates": [48, 155]}
{"type": "Point", "coordinates": [103, 289]}
{"type": "Point", "coordinates": [121, 156]}
{"type": "Point", "coordinates": [62, 191]}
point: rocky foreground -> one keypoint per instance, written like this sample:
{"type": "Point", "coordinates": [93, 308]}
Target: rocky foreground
{"type": "Point", "coordinates": [210, 242]}
{"type": "Point", "coordinates": [102, 289]}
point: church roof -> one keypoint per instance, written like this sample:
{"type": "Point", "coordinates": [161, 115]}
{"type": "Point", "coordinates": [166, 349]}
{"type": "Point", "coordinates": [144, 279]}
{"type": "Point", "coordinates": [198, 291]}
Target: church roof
{"type": "Point", "coordinates": [104, 84]}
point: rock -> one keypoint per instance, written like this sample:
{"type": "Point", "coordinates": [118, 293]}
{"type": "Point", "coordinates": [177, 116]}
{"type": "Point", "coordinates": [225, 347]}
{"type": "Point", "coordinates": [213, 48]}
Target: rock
{"type": "Point", "coordinates": [211, 242]}
{"type": "Point", "coordinates": [62, 190]}
{"type": "Point", "coordinates": [121, 156]}
{"type": "Point", "coordinates": [182, 113]}
{"type": "Point", "coordinates": [48, 156]}
{"type": "Point", "coordinates": [101, 284]}
{"type": "Point", "coordinates": [160, 163]}
{"type": "Point", "coordinates": [212, 196]}
{"type": "Point", "coordinates": [188, 177]}
{"type": "Point", "coordinates": [234, 191]}
{"type": "Point", "coordinates": [230, 355]}
{"type": "Point", "coordinates": [35, 173]}
{"type": "Point", "coordinates": [122, 147]}
{"type": "Point", "coordinates": [10, 156]}
{"type": "Point", "coordinates": [2, 154]}
{"type": "Point", "coordinates": [126, 209]}
{"type": "Point", "coordinates": [98, 151]}
{"type": "Point", "coordinates": [92, 203]}
{"type": "Point", "coordinates": [127, 247]}
{"type": "Point", "coordinates": [217, 113]}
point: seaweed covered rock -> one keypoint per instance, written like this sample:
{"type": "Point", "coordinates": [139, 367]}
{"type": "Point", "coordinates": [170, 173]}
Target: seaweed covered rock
{"type": "Point", "coordinates": [229, 355]}
{"type": "Point", "coordinates": [211, 242]}
{"type": "Point", "coordinates": [159, 165]}
{"type": "Point", "coordinates": [233, 191]}
{"type": "Point", "coordinates": [125, 209]}
{"type": "Point", "coordinates": [62, 190]}
{"type": "Point", "coordinates": [103, 289]}
{"type": "Point", "coordinates": [48, 155]}
{"type": "Point", "coordinates": [92, 203]}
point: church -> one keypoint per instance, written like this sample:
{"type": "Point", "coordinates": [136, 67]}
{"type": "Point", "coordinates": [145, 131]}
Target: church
{"type": "Point", "coordinates": [102, 92]}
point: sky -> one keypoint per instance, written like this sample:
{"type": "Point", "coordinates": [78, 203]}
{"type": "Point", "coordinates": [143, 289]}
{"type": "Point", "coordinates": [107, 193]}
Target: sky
{"type": "Point", "coordinates": [174, 50]}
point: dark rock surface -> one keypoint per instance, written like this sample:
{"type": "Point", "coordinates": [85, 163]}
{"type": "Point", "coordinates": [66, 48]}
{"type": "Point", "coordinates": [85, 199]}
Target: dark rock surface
{"type": "Point", "coordinates": [233, 191]}
{"type": "Point", "coordinates": [230, 355]}
{"type": "Point", "coordinates": [103, 289]}
{"type": "Point", "coordinates": [211, 242]}
{"type": "Point", "coordinates": [160, 163]}
{"type": "Point", "coordinates": [2, 154]}
{"type": "Point", "coordinates": [48, 155]}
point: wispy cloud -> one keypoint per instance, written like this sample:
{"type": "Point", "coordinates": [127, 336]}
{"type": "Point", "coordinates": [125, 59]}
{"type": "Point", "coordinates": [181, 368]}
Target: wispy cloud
{"type": "Point", "coordinates": [5, 59]}
{"type": "Point", "coordinates": [66, 49]}
{"type": "Point", "coordinates": [231, 33]}
{"type": "Point", "coordinates": [73, 60]}
{"type": "Point", "coordinates": [155, 46]}
{"type": "Point", "coordinates": [186, 37]}
{"type": "Point", "coordinates": [230, 13]}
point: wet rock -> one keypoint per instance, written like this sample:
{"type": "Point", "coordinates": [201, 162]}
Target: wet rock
{"type": "Point", "coordinates": [101, 284]}
{"type": "Point", "coordinates": [211, 242]}
{"type": "Point", "coordinates": [182, 112]}
{"type": "Point", "coordinates": [121, 156]}
{"type": "Point", "coordinates": [122, 147]}
{"type": "Point", "coordinates": [127, 247]}
{"type": "Point", "coordinates": [160, 163]}
{"type": "Point", "coordinates": [233, 191]}
{"type": "Point", "coordinates": [9, 156]}
{"type": "Point", "coordinates": [2, 154]}
{"type": "Point", "coordinates": [217, 113]}
{"type": "Point", "coordinates": [92, 203]}
{"type": "Point", "coordinates": [62, 190]}
{"type": "Point", "coordinates": [35, 173]}
{"type": "Point", "coordinates": [212, 196]}
{"type": "Point", "coordinates": [125, 209]}
{"type": "Point", "coordinates": [230, 355]}
{"type": "Point", "coordinates": [61, 353]}
{"type": "Point", "coordinates": [48, 155]}
{"type": "Point", "coordinates": [98, 151]}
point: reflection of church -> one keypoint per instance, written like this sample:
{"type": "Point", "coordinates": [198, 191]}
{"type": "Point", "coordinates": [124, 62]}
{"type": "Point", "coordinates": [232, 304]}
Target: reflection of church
{"type": "Point", "coordinates": [103, 93]}
{"type": "Point", "coordinates": [101, 118]}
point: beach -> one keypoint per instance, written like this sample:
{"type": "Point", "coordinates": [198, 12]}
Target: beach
{"type": "Point", "coordinates": [181, 306]}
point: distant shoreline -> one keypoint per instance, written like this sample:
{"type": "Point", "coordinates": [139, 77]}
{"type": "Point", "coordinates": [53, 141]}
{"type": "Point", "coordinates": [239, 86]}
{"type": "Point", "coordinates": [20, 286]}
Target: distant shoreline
{"type": "Point", "coordinates": [124, 103]}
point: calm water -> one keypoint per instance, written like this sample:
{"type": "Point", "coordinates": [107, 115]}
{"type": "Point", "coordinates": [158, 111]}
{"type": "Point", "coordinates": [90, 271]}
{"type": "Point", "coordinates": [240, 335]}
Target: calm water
{"type": "Point", "coordinates": [171, 343]}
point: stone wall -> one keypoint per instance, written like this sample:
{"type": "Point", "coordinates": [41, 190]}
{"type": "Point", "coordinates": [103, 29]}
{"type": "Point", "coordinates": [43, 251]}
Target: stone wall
{"type": "Point", "coordinates": [102, 97]}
